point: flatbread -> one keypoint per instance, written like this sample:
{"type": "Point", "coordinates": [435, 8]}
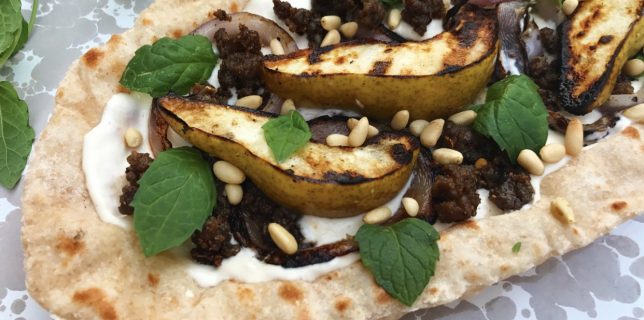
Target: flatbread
{"type": "Point", "coordinates": [79, 267]}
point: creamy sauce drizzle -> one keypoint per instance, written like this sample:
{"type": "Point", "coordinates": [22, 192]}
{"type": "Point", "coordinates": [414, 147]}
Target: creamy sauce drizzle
{"type": "Point", "coordinates": [104, 163]}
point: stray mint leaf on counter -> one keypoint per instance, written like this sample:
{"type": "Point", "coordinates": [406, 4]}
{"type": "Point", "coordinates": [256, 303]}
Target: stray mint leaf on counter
{"type": "Point", "coordinates": [170, 65]}
{"type": "Point", "coordinates": [26, 28]}
{"type": "Point", "coordinates": [514, 116]}
{"type": "Point", "coordinates": [516, 247]}
{"type": "Point", "coordinates": [11, 23]}
{"type": "Point", "coordinates": [402, 257]}
{"type": "Point", "coordinates": [286, 134]}
{"type": "Point", "coordinates": [16, 136]}
{"type": "Point", "coordinates": [175, 197]}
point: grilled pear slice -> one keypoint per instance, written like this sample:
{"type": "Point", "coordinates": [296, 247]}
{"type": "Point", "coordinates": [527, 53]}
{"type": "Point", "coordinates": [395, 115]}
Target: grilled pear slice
{"type": "Point", "coordinates": [317, 180]}
{"type": "Point", "coordinates": [598, 39]}
{"type": "Point", "coordinates": [433, 78]}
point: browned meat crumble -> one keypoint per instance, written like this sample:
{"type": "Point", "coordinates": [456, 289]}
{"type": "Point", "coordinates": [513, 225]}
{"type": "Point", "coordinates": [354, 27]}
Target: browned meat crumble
{"type": "Point", "coordinates": [139, 162]}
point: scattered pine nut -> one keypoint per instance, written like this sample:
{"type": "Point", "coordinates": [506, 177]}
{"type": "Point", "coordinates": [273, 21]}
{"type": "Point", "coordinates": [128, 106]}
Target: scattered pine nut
{"type": "Point", "coordinates": [234, 193]}
{"type": "Point", "coordinates": [416, 127]}
{"type": "Point", "coordinates": [337, 140]}
{"type": "Point", "coordinates": [133, 137]}
{"type": "Point", "coordinates": [569, 6]}
{"type": "Point", "coordinates": [276, 47]}
{"type": "Point", "coordinates": [463, 118]}
{"type": "Point", "coordinates": [634, 67]}
{"type": "Point", "coordinates": [574, 139]}
{"type": "Point", "coordinates": [561, 209]}
{"type": "Point", "coordinates": [251, 102]}
{"type": "Point", "coordinates": [349, 29]}
{"type": "Point", "coordinates": [411, 206]}
{"type": "Point", "coordinates": [377, 215]}
{"type": "Point", "coordinates": [287, 106]}
{"type": "Point", "coordinates": [429, 136]}
{"type": "Point", "coordinates": [351, 123]}
{"type": "Point", "coordinates": [332, 37]}
{"type": "Point", "coordinates": [372, 132]}
{"type": "Point", "coordinates": [228, 173]}
{"type": "Point", "coordinates": [447, 156]}
{"type": "Point", "coordinates": [400, 120]}
{"type": "Point", "coordinates": [552, 153]}
{"type": "Point", "coordinates": [330, 22]}
{"type": "Point", "coordinates": [282, 238]}
{"type": "Point", "coordinates": [530, 162]}
{"type": "Point", "coordinates": [394, 18]}
{"type": "Point", "coordinates": [359, 133]}
{"type": "Point", "coordinates": [480, 163]}
{"type": "Point", "coordinates": [635, 113]}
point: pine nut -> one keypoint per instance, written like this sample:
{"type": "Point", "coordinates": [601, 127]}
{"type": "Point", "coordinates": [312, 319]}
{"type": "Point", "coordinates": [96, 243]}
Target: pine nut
{"type": "Point", "coordinates": [377, 215]}
{"type": "Point", "coordinates": [276, 47]}
{"type": "Point", "coordinates": [337, 140]}
{"type": "Point", "coordinates": [552, 153]}
{"type": "Point", "coordinates": [400, 120]}
{"type": "Point", "coordinates": [372, 132]}
{"type": "Point", "coordinates": [252, 102]}
{"type": "Point", "coordinates": [332, 37]}
{"type": "Point", "coordinates": [394, 18]}
{"type": "Point", "coordinates": [634, 67]}
{"type": "Point", "coordinates": [463, 118]}
{"type": "Point", "coordinates": [431, 133]}
{"type": "Point", "coordinates": [569, 6]}
{"type": "Point", "coordinates": [447, 156]}
{"type": "Point", "coordinates": [351, 123]}
{"type": "Point", "coordinates": [530, 162]}
{"type": "Point", "coordinates": [416, 127]}
{"type": "Point", "coordinates": [234, 193]}
{"type": "Point", "coordinates": [349, 29]}
{"type": "Point", "coordinates": [561, 209]}
{"type": "Point", "coordinates": [287, 106]}
{"type": "Point", "coordinates": [574, 139]}
{"type": "Point", "coordinates": [282, 238]}
{"type": "Point", "coordinates": [330, 22]}
{"type": "Point", "coordinates": [635, 113]}
{"type": "Point", "coordinates": [411, 206]}
{"type": "Point", "coordinates": [480, 163]}
{"type": "Point", "coordinates": [228, 173]}
{"type": "Point", "coordinates": [359, 133]}
{"type": "Point", "coordinates": [133, 137]}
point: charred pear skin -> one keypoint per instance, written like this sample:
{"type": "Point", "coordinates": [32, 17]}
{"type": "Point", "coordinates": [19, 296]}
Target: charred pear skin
{"type": "Point", "coordinates": [433, 78]}
{"type": "Point", "coordinates": [598, 39]}
{"type": "Point", "coordinates": [317, 180]}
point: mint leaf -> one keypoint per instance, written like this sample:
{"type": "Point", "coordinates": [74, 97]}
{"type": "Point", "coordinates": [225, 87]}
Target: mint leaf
{"type": "Point", "coordinates": [11, 23]}
{"type": "Point", "coordinates": [392, 3]}
{"type": "Point", "coordinates": [516, 247]}
{"type": "Point", "coordinates": [16, 136]}
{"type": "Point", "coordinates": [170, 65]}
{"type": "Point", "coordinates": [402, 257]}
{"type": "Point", "coordinates": [26, 28]}
{"type": "Point", "coordinates": [176, 195]}
{"type": "Point", "coordinates": [514, 116]}
{"type": "Point", "coordinates": [286, 134]}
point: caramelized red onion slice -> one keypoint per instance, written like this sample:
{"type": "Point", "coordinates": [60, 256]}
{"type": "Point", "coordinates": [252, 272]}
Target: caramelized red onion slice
{"type": "Point", "coordinates": [487, 3]}
{"type": "Point", "coordinates": [267, 29]}
{"type": "Point", "coordinates": [158, 132]}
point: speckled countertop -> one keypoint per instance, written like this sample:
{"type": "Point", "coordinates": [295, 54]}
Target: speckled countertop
{"type": "Point", "coordinates": [601, 281]}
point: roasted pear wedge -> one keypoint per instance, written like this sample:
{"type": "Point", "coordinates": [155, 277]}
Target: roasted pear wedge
{"type": "Point", "coordinates": [433, 78]}
{"type": "Point", "coordinates": [598, 39]}
{"type": "Point", "coordinates": [318, 180]}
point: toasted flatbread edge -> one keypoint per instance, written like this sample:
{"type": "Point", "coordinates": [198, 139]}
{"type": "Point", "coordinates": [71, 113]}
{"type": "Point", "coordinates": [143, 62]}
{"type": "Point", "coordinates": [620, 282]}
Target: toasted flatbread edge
{"type": "Point", "coordinates": [79, 267]}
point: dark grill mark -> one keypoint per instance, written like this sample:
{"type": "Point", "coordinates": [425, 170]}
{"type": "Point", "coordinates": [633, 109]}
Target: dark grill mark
{"type": "Point", "coordinates": [380, 67]}
{"type": "Point", "coordinates": [605, 39]}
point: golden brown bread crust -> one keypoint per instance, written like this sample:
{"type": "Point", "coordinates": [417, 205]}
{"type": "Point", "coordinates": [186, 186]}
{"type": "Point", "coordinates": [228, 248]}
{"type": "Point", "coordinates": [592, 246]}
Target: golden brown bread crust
{"type": "Point", "coordinates": [79, 267]}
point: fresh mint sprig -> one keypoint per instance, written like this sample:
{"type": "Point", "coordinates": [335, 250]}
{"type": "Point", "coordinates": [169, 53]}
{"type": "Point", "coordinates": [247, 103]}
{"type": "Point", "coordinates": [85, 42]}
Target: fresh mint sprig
{"type": "Point", "coordinates": [286, 134]}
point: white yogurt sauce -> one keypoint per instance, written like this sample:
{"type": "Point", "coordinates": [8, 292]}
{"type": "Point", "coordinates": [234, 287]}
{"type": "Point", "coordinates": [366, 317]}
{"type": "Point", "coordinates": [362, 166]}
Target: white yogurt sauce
{"type": "Point", "coordinates": [265, 8]}
{"type": "Point", "coordinates": [405, 30]}
{"type": "Point", "coordinates": [105, 153]}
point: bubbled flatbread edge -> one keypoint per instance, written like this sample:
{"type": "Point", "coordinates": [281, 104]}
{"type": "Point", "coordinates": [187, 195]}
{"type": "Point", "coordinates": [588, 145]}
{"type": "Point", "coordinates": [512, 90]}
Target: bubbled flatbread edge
{"type": "Point", "coordinates": [79, 267]}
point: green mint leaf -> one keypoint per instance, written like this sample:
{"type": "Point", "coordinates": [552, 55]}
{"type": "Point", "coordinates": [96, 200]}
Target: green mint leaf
{"type": "Point", "coordinates": [16, 136]}
{"type": "Point", "coordinates": [26, 28]}
{"type": "Point", "coordinates": [516, 247]}
{"type": "Point", "coordinates": [514, 116]}
{"type": "Point", "coordinates": [402, 257]}
{"type": "Point", "coordinates": [11, 23]}
{"type": "Point", "coordinates": [286, 134]}
{"type": "Point", "coordinates": [176, 195]}
{"type": "Point", "coordinates": [170, 65]}
{"type": "Point", "coordinates": [392, 3]}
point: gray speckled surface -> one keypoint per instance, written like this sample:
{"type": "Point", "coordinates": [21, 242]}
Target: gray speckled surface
{"type": "Point", "coordinates": [602, 281]}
